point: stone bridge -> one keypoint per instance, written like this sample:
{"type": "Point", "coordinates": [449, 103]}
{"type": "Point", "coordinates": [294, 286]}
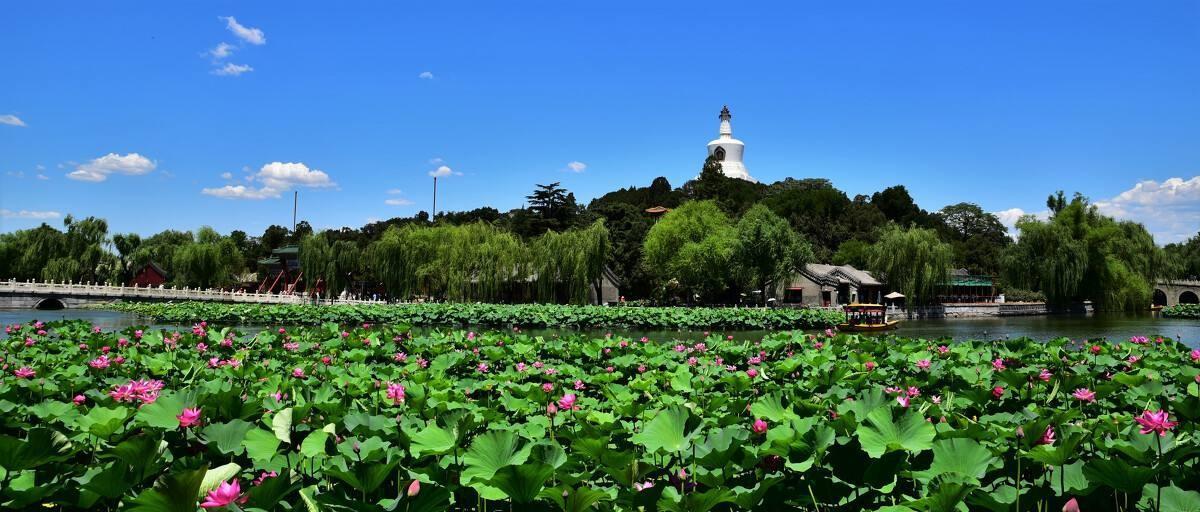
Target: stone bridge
{"type": "Point", "coordinates": [35, 295]}
{"type": "Point", "coordinates": [1170, 293]}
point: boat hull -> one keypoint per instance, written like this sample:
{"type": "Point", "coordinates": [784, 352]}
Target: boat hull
{"type": "Point", "coordinates": [887, 326]}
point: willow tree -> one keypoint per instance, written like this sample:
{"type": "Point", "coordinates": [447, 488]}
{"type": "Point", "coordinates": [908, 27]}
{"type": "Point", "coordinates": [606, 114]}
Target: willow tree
{"type": "Point", "coordinates": [469, 262]}
{"type": "Point", "coordinates": [691, 247]}
{"type": "Point", "coordinates": [571, 261]}
{"type": "Point", "coordinates": [316, 262]}
{"type": "Point", "coordinates": [1079, 254]}
{"type": "Point", "coordinates": [768, 250]}
{"type": "Point", "coordinates": [209, 260]}
{"type": "Point", "coordinates": [913, 261]}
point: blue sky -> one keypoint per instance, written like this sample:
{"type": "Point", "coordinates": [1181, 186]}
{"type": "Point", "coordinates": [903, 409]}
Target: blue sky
{"type": "Point", "coordinates": [117, 110]}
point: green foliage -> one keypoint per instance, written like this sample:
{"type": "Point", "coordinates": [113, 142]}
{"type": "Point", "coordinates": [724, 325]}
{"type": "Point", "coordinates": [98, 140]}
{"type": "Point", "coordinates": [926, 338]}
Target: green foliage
{"type": "Point", "coordinates": [644, 413]}
{"type": "Point", "coordinates": [978, 237]}
{"type": "Point", "coordinates": [1079, 254]}
{"type": "Point", "coordinates": [208, 261]}
{"type": "Point", "coordinates": [488, 315]}
{"type": "Point", "coordinates": [690, 248]}
{"type": "Point", "coordinates": [912, 261]}
{"type": "Point", "coordinates": [1182, 311]}
{"type": "Point", "coordinates": [767, 250]}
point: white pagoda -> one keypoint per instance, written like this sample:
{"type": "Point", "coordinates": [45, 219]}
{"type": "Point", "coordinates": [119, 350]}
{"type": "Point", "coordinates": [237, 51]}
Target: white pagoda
{"type": "Point", "coordinates": [728, 150]}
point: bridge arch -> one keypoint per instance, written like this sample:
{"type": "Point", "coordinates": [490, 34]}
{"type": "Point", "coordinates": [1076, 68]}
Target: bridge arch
{"type": "Point", "coordinates": [1160, 298]}
{"type": "Point", "coordinates": [50, 303]}
{"type": "Point", "coordinates": [1189, 297]}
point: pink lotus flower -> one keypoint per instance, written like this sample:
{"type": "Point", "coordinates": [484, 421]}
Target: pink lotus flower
{"type": "Point", "coordinates": [1045, 375]}
{"type": "Point", "coordinates": [1155, 422]}
{"type": "Point", "coordinates": [24, 372]}
{"type": "Point", "coordinates": [1084, 395]}
{"type": "Point", "coordinates": [345, 334]}
{"type": "Point", "coordinates": [609, 369]}
{"type": "Point", "coordinates": [547, 387]}
{"type": "Point", "coordinates": [759, 426]}
{"type": "Point", "coordinates": [641, 368]}
{"type": "Point", "coordinates": [224, 495]}
{"type": "Point", "coordinates": [829, 333]}
{"type": "Point", "coordinates": [79, 399]}
{"type": "Point", "coordinates": [998, 365]}
{"type": "Point", "coordinates": [400, 357]}
{"type": "Point", "coordinates": [1071, 506]}
{"type": "Point", "coordinates": [1133, 359]}
{"type": "Point", "coordinates": [551, 409]}
{"type": "Point", "coordinates": [263, 477]}
{"type": "Point", "coordinates": [936, 399]}
{"type": "Point", "coordinates": [1047, 436]}
{"type": "Point", "coordinates": [1195, 355]}
{"type": "Point", "coordinates": [214, 362]}
{"type": "Point", "coordinates": [641, 486]}
{"type": "Point", "coordinates": [414, 488]}
{"type": "Point", "coordinates": [282, 330]}
{"type": "Point", "coordinates": [913, 391]}
{"type": "Point", "coordinates": [942, 349]}
{"type": "Point", "coordinates": [567, 402]}
{"type": "Point", "coordinates": [869, 365]}
{"type": "Point", "coordinates": [201, 347]}
{"type": "Point", "coordinates": [998, 392]}
{"type": "Point", "coordinates": [395, 393]}
{"type": "Point", "coordinates": [819, 345]}
{"type": "Point", "coordinates": [752, 373]}
{"type": "Point", "coordinates": [298, 373]}
{"type": "Point", "coordinates": [923, 365]}
{"type": "Point", "coordinates": [579, 385]}
{"type": "Point", "coordinates": [99, 363]}
{"type": "Point", "coordinates": [902, 400]}
{"type": "Point", "coordinates": [482, 368]}
{"type": "Point", "coordinates": [189, 417]}
{"type": "Point", "coordinates": [1096, 349]}
{"type": "Point", "coordinates": [137, 334]}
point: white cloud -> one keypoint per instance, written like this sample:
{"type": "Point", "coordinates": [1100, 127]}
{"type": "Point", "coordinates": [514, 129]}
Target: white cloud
{"type": "Point", "coordinates": [98, 169]}
{"type": "Point", "coordinates": [240, 192]}
{"type": "Point", "coordinates": [231, 69]}
{"type": "Point", "coordinates": [1010, 217]}
{"type": "Point", "coordinates": [11, 120]}
{"type": "Point", "coordinates": [227, 175]}
{"type": "Point", "coordinates": [394, 191]}
{"type": "Point", "coordinates": [29, 214]}
{"type": "Point", "coordinates": [576, 166]}
{"type": "Point", "coordinates": [275, 178]}
{"type": "Point", "coordinates": [222, 50]}
{"type": "Point", "coordinates": [426, 75]}
{"type": "Point", "coordinates": [444, 171]}
{"type": "Point", "coordinates": [397, 201]}
{"type": "Point", "coordinates": [437, 160]}
{"type": "Point", "coordinates": [1170, 210]}
{"type": "Point", "coordinates": [15, 174]}
{"type": "Point", "coordinates": [250, 35]}
{"type": "Point", "coordinates": [41, 176]}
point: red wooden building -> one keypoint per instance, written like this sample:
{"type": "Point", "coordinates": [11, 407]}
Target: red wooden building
{"type": "Point", "coordinates": [150, 275]}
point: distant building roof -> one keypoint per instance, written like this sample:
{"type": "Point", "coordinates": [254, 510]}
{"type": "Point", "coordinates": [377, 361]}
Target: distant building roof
{"type": "Point", "coordinates": [969, 280]}
{"type": "Point", "coordinates": [833, 275]}
{"type": "Point", "coordinates": [656, 210]}
{"type": "Point", "coordinates": [287, 250]}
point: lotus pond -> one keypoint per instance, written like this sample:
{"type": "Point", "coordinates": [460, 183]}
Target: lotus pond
{"type": "Point", "coordinates": [552, 316]}
{"type": "Point", "coordinates": [373, 418]}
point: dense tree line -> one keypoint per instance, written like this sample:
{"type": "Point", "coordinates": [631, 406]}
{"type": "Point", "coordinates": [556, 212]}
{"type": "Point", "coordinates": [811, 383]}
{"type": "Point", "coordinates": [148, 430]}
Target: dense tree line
{"type": "Point", "coordinates": [724, 240]}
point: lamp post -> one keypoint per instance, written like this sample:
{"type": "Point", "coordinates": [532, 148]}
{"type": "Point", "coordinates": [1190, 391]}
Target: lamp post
{"type": "Point", "coordinates": [433, 216]}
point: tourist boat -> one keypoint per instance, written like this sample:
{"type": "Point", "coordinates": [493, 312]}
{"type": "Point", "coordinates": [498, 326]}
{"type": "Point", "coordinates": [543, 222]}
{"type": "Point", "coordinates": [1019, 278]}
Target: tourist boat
{"type": "Point", "coordinates": [866, 318]}
{"type": "Point", "coordinates": [1156, 307]}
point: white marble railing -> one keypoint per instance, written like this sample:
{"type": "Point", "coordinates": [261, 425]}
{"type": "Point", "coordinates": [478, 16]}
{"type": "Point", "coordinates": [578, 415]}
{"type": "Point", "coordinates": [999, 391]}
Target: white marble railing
{"type": "Point", "coordinates": [99, 290]}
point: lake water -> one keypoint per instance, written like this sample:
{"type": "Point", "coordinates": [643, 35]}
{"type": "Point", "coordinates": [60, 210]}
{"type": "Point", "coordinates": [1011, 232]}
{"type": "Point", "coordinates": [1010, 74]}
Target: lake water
{"type": "Point", "coordinates": [1114, 326]}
